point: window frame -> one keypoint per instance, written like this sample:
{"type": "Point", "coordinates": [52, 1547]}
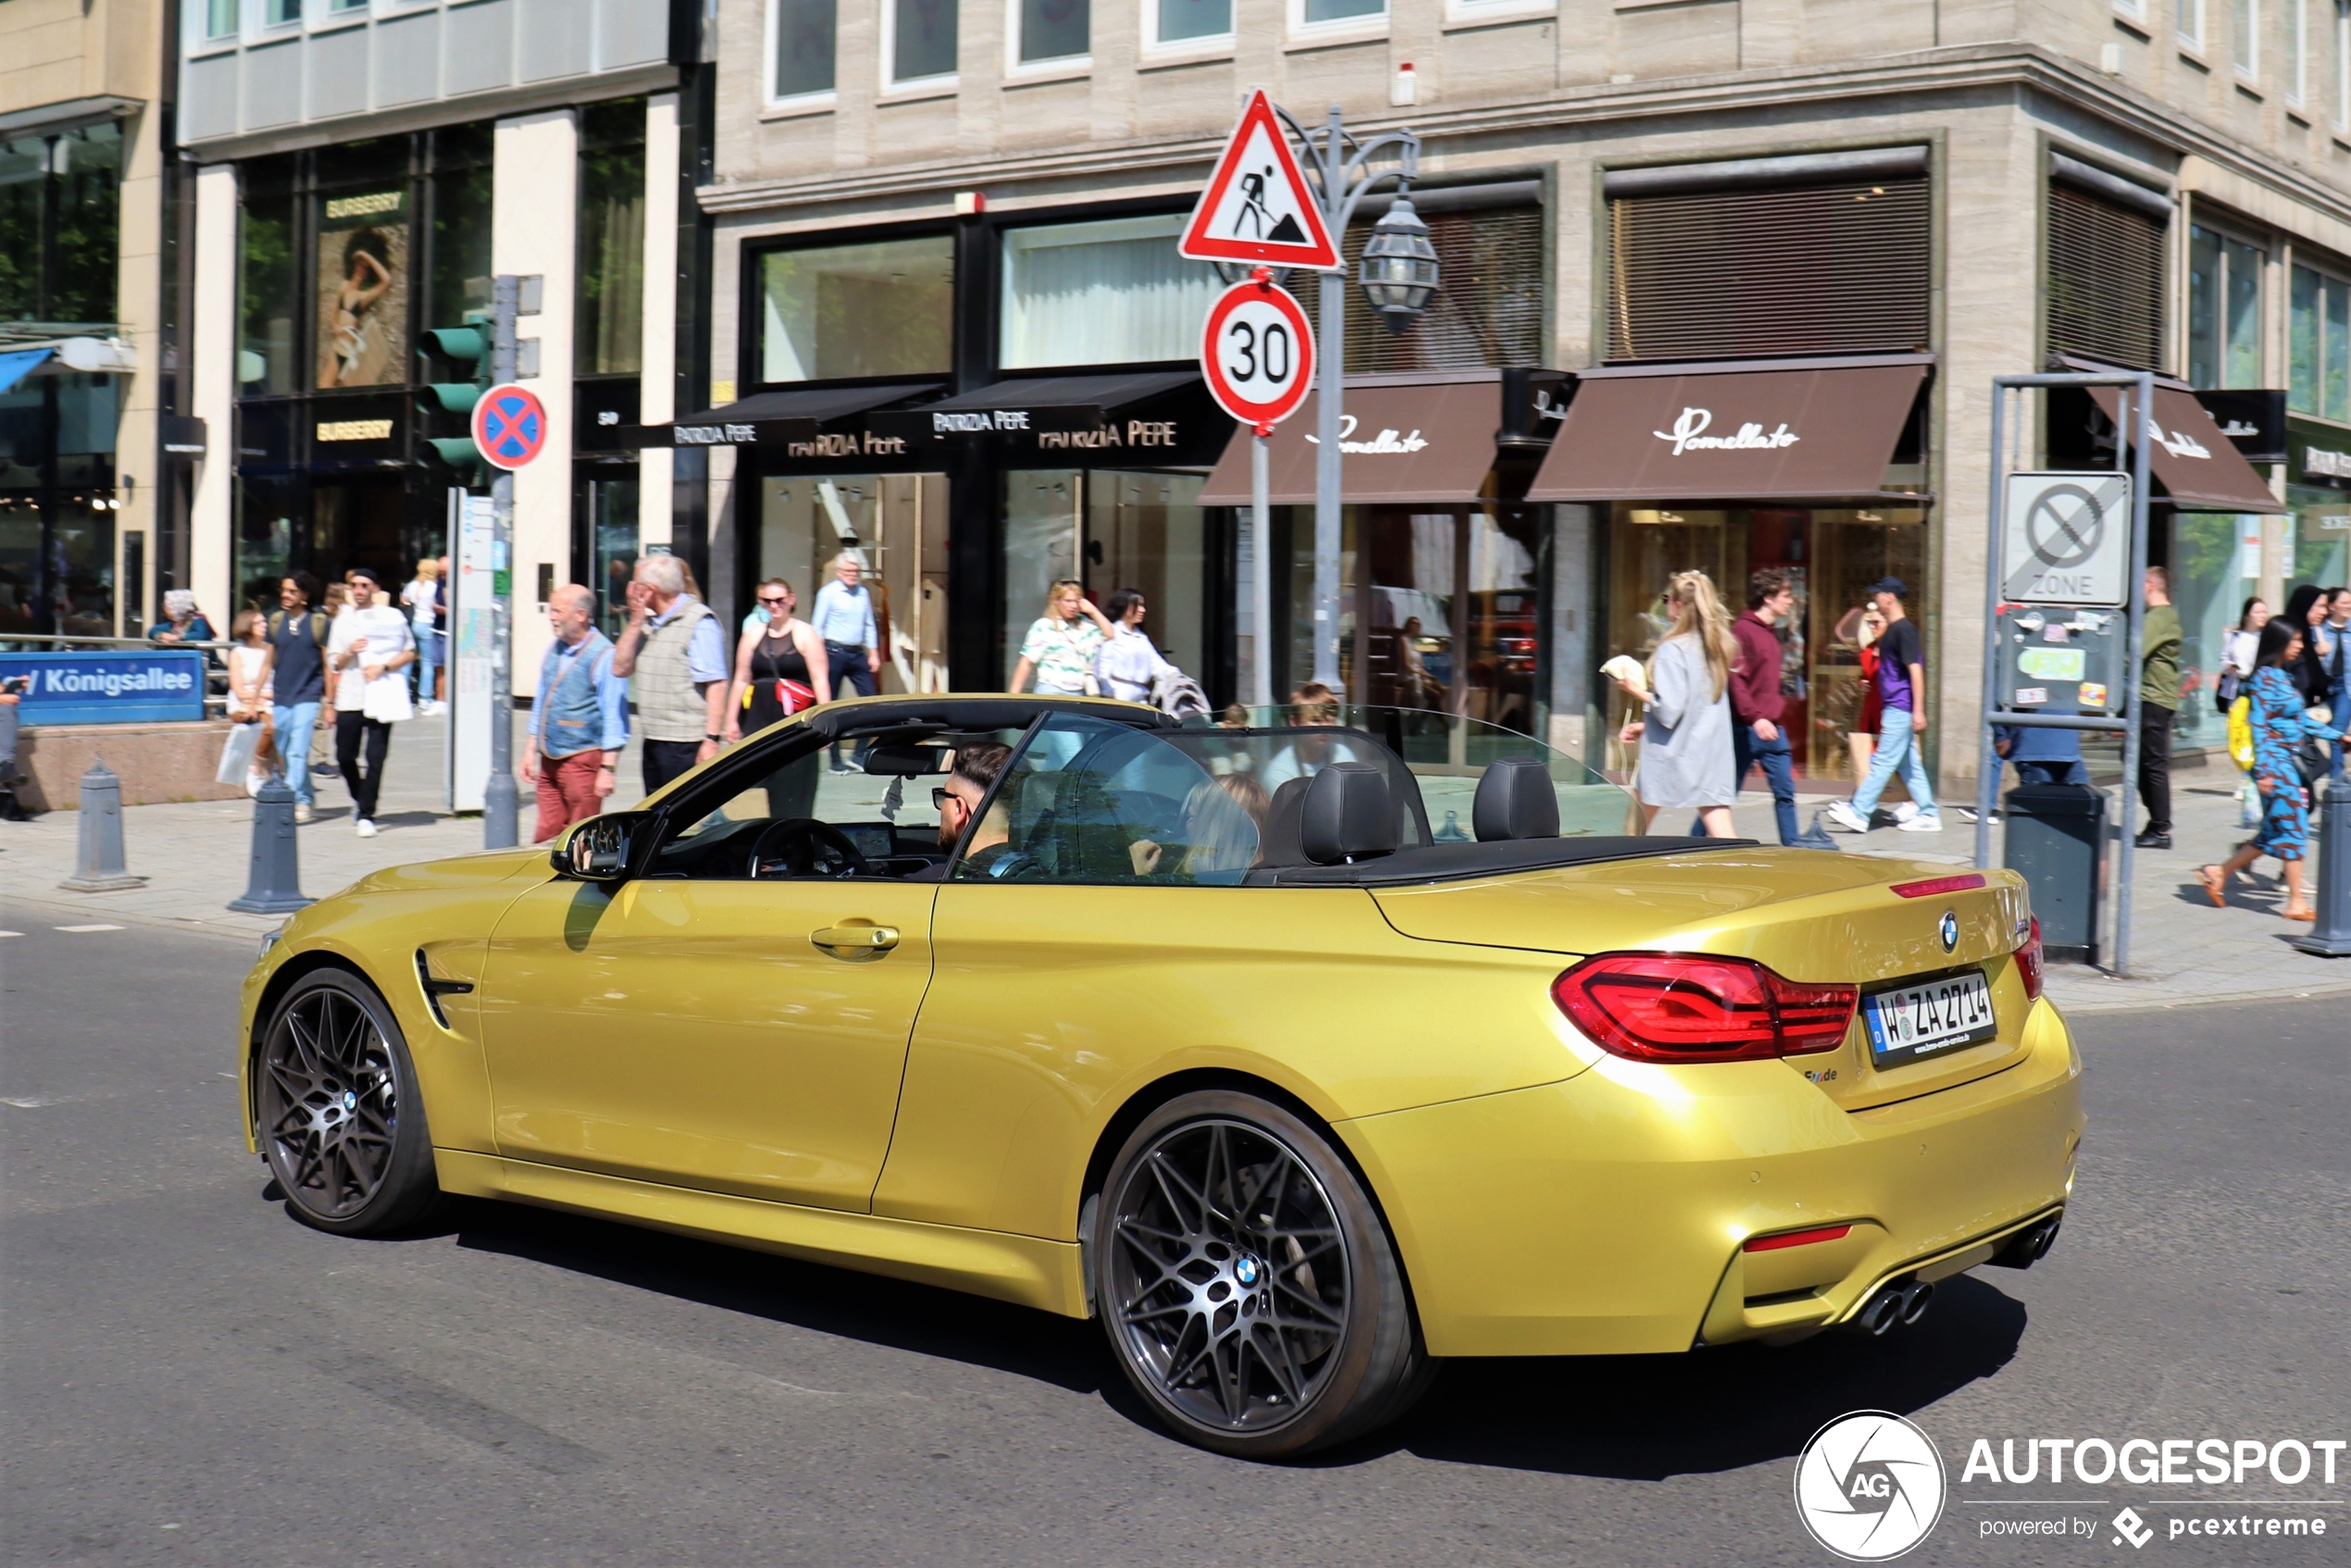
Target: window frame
{"type": "Point", "coordinates": [1480, 13]}
{"type": "Point", "coordinates": [270, 23]}
{"type": "Point", "coordinates": [2189, 23]}
{"type": "Point", "coordinates": [1205, 46]}
{"type": "Point", "coordinates": [1001, 235]}
{"type": "Point", "coordinates": [2338, 276]}
{"type": "Point", "coordinates": [2341, 118]}
{"type": "Point", "coordinates": [1051, 67]}
{"type": "Point", "coordinates": [751, 344]}
{"type": "Point", "coordinates": [2297, 52]}
{"type": "Point", "coordinates": [1303, 32]}
{"type": "Point", "coordinates": [2266, 249]}
{"type": "Point", "coordinates": [2245, 40]}
{"type": "Point", "coordinates": [773, 67]}
{"type": "Point", "coordinates": [897, 89]}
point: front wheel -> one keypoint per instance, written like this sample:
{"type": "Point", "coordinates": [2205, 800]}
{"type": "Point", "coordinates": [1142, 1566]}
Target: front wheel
{"type": "Point", "coordinates": [342, 1123]}
{"type": "Point", "coordinates": [1246, 1283]}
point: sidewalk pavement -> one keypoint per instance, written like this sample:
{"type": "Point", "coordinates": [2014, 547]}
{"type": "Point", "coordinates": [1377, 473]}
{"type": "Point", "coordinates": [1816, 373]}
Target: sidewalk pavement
{"type": "Point", "coordinates": [195, 856]}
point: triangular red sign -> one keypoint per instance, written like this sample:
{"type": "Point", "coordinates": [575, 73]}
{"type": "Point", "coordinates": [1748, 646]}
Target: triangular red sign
{"type": "Point", "coordinates": [1258, 206]}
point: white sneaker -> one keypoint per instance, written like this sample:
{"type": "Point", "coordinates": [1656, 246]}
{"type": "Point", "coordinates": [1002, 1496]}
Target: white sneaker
{"type": "Point", "coordinates": [303, 812]}
{"type": "Point", "coordinates": [1844, 819]}
{"type": "Point", "coordinates": [366, 828]}
{"type": "Point", "coordinates": [1923, 824]}
{"type": "Point", "coordinates": [254, 780]}
{"type": "Point", "coordinates": [1906, 811]}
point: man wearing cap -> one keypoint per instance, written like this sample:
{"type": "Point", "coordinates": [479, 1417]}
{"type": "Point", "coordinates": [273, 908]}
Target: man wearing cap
{"type": "Point", "coordinates": [1901, 686]}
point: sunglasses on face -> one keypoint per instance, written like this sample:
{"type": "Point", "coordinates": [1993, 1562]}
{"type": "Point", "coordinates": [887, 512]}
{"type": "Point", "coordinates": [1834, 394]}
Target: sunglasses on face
{"type": "Point", "coordinates": [766, 599]}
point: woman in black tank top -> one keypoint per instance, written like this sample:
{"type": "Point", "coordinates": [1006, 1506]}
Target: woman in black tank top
{"type": "Point", "coordinates": [779, 668]}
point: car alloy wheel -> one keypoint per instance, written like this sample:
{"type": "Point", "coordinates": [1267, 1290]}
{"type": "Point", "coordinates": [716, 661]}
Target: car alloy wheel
{"type": "Point", "coordinates": [347, 1149]}
{"type": "Point", "coordinates": [1248, 1284]}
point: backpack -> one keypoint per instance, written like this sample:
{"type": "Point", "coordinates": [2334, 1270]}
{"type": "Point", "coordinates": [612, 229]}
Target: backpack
{"type": "Point", "coordinates": [317, 626]}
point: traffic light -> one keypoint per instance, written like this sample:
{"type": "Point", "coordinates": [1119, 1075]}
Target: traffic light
{"type": "Point", "coordinates": [450, 352]}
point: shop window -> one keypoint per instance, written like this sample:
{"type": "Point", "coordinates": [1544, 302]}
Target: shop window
{"type": "Point", "coordinates": [1109, 529]}
{"type": "Point", "coordinates": [361, 309]}
{"type": "Point", "coordinates": [268, 295]}
{"type": "Point", "coordinates": [60, 205]}
{"type": "Point", "coordinates": [265, 509]}
{"type": "Point", "coordinates": [918, 42]}
{"type": "Point", "coordinates": [885, 308]}
{"type": "Point", "coordinates": [1188, 21]}
{"type": "Point", "coordinates": [1101, 293]}
{"type": "Point", "coordinates": [1049, 32]}
{"type": "Point", "coordinates": [897, 526]}
{"type": "Point", "coordinates": [1487, 311]}
{"type": "Point", "coordinates": [2106, 288]}
{"type": "Point", "coordinates": [1835, 269]}
{"type": "Point", "coordinates": [800, 43]}
{"type": "Point", "coordinates": [2215, 560]}
{"type": "Point", "coordinates": [462, 196]}
{"type": "Point", "coordinates": [609, 334]}
{"type": "Point", "coordinates": [2224, 310]}
{"type": "Point", "coordinates": [612, 545]}
{"type": "Point", "coordinates": [2319, 337]}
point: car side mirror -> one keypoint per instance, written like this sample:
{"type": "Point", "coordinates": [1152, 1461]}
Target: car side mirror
{"type": "Point", "coordinates": [597, 850]}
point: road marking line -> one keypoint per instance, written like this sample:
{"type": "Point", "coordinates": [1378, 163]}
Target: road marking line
{"type": "Point", "coordinates": [85, 928]}
{"type": "Point", "coordinates": [11, 933]}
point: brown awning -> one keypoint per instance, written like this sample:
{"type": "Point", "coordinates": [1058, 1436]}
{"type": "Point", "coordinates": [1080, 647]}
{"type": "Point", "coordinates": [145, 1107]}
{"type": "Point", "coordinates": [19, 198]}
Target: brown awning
{"type": "Point", "coordinates": [1795, 430]}
{"type": "Point", "coordinates": [1419, 441]}
{"type": "Point", "coordinates": [2197, 467]}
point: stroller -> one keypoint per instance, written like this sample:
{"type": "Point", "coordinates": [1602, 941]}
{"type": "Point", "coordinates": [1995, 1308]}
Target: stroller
{"type": "Point", "coordinates": [1180, 696]}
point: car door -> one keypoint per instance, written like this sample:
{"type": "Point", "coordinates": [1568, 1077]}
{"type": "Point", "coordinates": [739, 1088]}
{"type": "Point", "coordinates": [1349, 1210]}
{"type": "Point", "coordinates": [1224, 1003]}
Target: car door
{"type": "Point", "coordinates": [699, 1026]}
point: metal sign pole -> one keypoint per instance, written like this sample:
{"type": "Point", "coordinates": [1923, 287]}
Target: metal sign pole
{"type": "Point", "coordinates": [1987, 762]}
{"type": "Point", "coordinates": [1260, 584]}
{"type": "Point", "coordinates": [2141, 411]}
{"type": "Point", "coordinates": [501, 796]}
{"type": "Point", "coordinates": [1330, 333]}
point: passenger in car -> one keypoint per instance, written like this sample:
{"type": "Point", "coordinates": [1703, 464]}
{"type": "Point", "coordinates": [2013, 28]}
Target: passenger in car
{"type": "Point", "coordinates": [1220, 834]}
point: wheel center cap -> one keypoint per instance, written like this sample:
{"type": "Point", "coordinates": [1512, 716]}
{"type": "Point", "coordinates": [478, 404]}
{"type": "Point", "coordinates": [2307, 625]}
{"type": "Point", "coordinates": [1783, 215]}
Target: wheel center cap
{"type": "Point", "coordinates": [1246, 1270]}
{"type": "Point", "coordinates": [350, 1100]}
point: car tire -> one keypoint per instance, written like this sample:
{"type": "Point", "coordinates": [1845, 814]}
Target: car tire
{"type": "Point", "coordinates": [338, 1113]}
{"type": "Point", "coordinates": [1248, 1284]}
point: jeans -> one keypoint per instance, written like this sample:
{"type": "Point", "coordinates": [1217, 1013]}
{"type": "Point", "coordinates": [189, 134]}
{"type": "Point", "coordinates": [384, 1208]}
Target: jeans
{"type": "Point", "coordinates": [1898, 747]}
{"type": "Point", "coordinates": [1778, 762]}
{"type": "Point", "coordinates": [850, 672]}
{"type": "Point", "coordinates": [428, 658]}
{"type": "Point", "coordinates": [354, 728]}
{"type": "Point", "coordinates": [293, 722]}
{"type": "Point", "coordinates": [665, 760]}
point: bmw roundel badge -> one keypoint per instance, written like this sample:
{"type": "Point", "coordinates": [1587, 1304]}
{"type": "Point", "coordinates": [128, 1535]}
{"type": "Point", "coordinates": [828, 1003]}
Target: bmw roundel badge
{"type": "Point", "coordinates": [1950, 929]}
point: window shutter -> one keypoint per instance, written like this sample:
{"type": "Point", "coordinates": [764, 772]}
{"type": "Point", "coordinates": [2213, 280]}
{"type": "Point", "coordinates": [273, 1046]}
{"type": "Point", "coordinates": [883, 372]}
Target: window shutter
{"type": "Point", "coordinates": [1836, 268]}
{"type": "Point", "coordinates": [1488, 308]}
{"type": "Point", "coordinates": [2106, 279]}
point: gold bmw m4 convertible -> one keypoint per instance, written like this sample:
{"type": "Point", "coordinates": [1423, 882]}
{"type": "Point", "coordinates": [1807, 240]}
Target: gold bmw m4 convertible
{"type": "Point", "coordinates": [1207, 1034]}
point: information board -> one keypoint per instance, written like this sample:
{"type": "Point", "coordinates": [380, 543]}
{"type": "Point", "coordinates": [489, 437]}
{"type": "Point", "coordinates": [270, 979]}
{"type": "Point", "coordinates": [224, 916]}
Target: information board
{"type": "Point", "coordinates": [472, 622]}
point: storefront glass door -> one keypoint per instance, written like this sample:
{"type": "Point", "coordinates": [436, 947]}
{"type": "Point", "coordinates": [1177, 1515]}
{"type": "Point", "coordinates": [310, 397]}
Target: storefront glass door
{"type": "Point", "coordinates": [897, 524]}
{"type": "Point", "coordinates": [1109, 528]}
{"type": "Point", "coordinates": [611, 507]}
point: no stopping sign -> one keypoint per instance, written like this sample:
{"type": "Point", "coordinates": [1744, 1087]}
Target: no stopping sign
{"type": "Point", "coordinates": [1257, 352]}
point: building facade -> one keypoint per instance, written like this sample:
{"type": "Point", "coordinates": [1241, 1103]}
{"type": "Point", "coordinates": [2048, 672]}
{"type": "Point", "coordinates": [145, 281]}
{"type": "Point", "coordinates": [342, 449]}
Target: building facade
{"type": "Point", "coordinates": [359, 172]}
{"type": "Point", "coordinates": [87, 538]}
{"type": "Point", "coordinates": [944, 277]}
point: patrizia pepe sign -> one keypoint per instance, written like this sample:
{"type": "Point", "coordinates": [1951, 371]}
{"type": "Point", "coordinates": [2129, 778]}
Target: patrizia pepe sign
{"type": "Point", "coordinates": [1688, 434]}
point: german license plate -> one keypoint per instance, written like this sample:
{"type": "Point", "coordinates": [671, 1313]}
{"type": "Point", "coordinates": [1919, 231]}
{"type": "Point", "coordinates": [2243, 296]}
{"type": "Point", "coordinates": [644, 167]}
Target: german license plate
{"type": "Point", "coordinates": [1921, 1020]}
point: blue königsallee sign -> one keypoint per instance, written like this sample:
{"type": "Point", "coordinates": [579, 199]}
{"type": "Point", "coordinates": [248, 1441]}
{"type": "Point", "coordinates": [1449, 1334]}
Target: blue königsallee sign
{"type": "Point", "coordinates": [129, 686]}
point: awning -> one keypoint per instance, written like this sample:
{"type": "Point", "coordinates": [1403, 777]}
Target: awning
{"type": "Point", "coordinates": [776, 417]}
{"type": "Point", "coordinates": [1804, 430]}
{"type": "Point", "coordinates": [1030, 404]}
{"type": "Point", "coordinates": [1404, 440]}
{"type": "Point", "coordinates": [14, 367]}
{"type": "Point", "coordinates": [2198, 468]}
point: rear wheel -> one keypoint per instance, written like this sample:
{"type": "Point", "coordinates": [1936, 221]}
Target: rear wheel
{"type": "Point", "coordinates": [1248, 1284]}
{"type": "Point", "coordinates": [341, 1124]}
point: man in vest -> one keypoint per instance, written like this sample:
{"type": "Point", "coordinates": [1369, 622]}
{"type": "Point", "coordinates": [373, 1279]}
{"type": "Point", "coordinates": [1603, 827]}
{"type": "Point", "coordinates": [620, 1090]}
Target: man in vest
{"type": "Point", "coordinates": [677, 651]}
{"type": "Point", "coordinates": [580, 720]}
{"type": "Point", "coordinates": [295, 667]}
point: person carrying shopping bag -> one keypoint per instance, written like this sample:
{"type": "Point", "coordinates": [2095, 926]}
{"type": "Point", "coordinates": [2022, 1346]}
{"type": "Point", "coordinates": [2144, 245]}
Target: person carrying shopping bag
{"type": "Point", "coordinates": [1687, 757]}
{"type": "Point", "coordinates": [2283, 770]}
{"type": "Point", "coordinates": [369, 650]}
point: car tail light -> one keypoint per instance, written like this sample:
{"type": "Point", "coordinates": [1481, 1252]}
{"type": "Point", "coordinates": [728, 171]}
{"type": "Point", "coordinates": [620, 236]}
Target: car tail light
{"type": "Point", "coordinates": [1796, 1238]}
{"type": "Point", "coordinates": [1676, 1007]}
{"type": "Point", "coordinates": [1935, 886]}
{"type": "Point", "coordinates": [2029, 962]}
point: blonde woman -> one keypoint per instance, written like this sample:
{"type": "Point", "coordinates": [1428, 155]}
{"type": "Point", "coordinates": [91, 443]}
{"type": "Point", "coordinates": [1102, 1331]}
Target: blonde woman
{"type": "Point", "coordinates": [1687, 758]}
{"type": "Point", "coordinates": [1059, 649]}
{"type": "Point", "coordinates": [421, 594]}
{"type": "Point", "coordinates": [780, 667]}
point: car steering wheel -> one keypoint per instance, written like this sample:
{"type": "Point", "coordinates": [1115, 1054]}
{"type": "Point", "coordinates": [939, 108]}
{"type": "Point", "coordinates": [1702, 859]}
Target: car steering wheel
{"type": "Point", "coordinates": [790, 846]}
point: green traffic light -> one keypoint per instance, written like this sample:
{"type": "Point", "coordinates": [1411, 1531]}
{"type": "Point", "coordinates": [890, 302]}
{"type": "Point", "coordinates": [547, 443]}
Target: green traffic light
{"type": "Point", "coordinates": [458, 343]}
{"type": "Point", "coordinates": [458, 452]}
{"type": "Point", "coordinates": [451, 397]}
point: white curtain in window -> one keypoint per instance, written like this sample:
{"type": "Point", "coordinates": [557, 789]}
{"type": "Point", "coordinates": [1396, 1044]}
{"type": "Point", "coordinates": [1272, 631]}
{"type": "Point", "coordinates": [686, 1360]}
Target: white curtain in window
{"type": "Point", "coordinates": [1102, 294]}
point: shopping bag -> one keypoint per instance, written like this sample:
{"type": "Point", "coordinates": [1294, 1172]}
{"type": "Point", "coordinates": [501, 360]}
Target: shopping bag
{"type": "Point", "coordinates": [236, 754]}
{"type": "Point", "coordinates": [386, 699]}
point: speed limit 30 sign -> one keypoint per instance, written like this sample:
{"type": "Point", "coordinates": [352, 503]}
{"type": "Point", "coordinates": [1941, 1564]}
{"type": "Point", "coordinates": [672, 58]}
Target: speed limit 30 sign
{"type": "Point", "coordinates": [1258, 354]}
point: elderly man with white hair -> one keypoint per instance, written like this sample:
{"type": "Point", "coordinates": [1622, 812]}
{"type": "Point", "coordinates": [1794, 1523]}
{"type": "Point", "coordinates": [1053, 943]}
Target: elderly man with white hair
{"type": "Point", "coordinates": [676, 648]}
{"type": "Point", "coordinates": [580, 720]}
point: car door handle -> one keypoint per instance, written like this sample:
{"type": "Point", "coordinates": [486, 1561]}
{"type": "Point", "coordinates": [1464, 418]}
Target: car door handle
{"type": "Point", "coordinates": [856, 941]}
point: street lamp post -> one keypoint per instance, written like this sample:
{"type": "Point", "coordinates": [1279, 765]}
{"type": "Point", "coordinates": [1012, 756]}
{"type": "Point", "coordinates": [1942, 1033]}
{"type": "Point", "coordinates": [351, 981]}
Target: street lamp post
{"type": "Point", "coordinates": [1398, 280]}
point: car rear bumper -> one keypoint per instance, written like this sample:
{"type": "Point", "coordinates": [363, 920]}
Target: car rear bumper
{"type": "Point", "coordinates": [1608, 1214]}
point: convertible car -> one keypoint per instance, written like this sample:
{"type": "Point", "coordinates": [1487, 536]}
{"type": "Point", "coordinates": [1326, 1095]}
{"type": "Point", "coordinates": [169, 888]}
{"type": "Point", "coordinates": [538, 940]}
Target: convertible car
{"type": "Point", "coordinates": [1206, 1034]}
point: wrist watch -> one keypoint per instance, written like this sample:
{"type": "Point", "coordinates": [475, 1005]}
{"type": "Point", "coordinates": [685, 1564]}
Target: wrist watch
{"type": "Point", "coordinates": [709, 737]}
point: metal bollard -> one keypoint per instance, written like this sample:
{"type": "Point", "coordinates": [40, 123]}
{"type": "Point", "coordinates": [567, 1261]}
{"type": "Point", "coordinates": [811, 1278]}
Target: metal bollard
{"type": "Point", "coordinates": [98, 868]}
{"type": "Point", "coordinates": [273, 885]}
{"type": "Point", "coordinates": [2330, 936]}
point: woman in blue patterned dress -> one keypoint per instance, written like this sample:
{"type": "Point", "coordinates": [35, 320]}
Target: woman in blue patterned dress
{"type": "Point", "coordinates": [2279, 729]}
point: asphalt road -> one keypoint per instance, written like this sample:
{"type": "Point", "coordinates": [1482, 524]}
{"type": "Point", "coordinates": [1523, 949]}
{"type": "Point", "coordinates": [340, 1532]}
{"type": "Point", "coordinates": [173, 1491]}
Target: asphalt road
{"type": "Point", "coordinates": [191, 1376]}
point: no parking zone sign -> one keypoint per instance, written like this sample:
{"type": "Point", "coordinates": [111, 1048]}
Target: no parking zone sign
{"type": "Point", "coordinates": [510, 425]}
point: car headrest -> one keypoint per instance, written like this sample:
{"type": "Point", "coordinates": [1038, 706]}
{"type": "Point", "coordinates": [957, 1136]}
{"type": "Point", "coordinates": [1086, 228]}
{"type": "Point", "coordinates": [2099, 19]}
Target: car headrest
{"type": "Point", "coordinates": [1515, 800]}
{"type": "Point", "coordinates": [1349, 815]}
{"type": "Point", "coordinates": [1278, 844]}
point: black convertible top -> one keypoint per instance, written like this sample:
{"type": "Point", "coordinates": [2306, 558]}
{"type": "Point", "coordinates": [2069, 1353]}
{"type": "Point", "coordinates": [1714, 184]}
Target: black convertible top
{"type": "Point", "coordinates": [1462, 861]}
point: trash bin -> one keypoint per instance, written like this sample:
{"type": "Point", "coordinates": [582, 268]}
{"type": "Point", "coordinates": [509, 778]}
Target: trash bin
{"type": "Point", "coordinates": [2057, 837]}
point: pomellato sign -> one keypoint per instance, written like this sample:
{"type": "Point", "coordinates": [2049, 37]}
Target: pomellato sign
{"type": "Point", "coordinates": [1688, 434]}
{"type": "Point", "coordinates": [1387, 444]}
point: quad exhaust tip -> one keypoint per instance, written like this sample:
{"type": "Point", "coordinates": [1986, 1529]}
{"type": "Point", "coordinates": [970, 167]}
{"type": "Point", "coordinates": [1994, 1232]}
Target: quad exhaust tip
{"type": "Point", "coordinates": [2029, 1248]}
{"type": "Point", "coordinates": [1897, 1305]}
